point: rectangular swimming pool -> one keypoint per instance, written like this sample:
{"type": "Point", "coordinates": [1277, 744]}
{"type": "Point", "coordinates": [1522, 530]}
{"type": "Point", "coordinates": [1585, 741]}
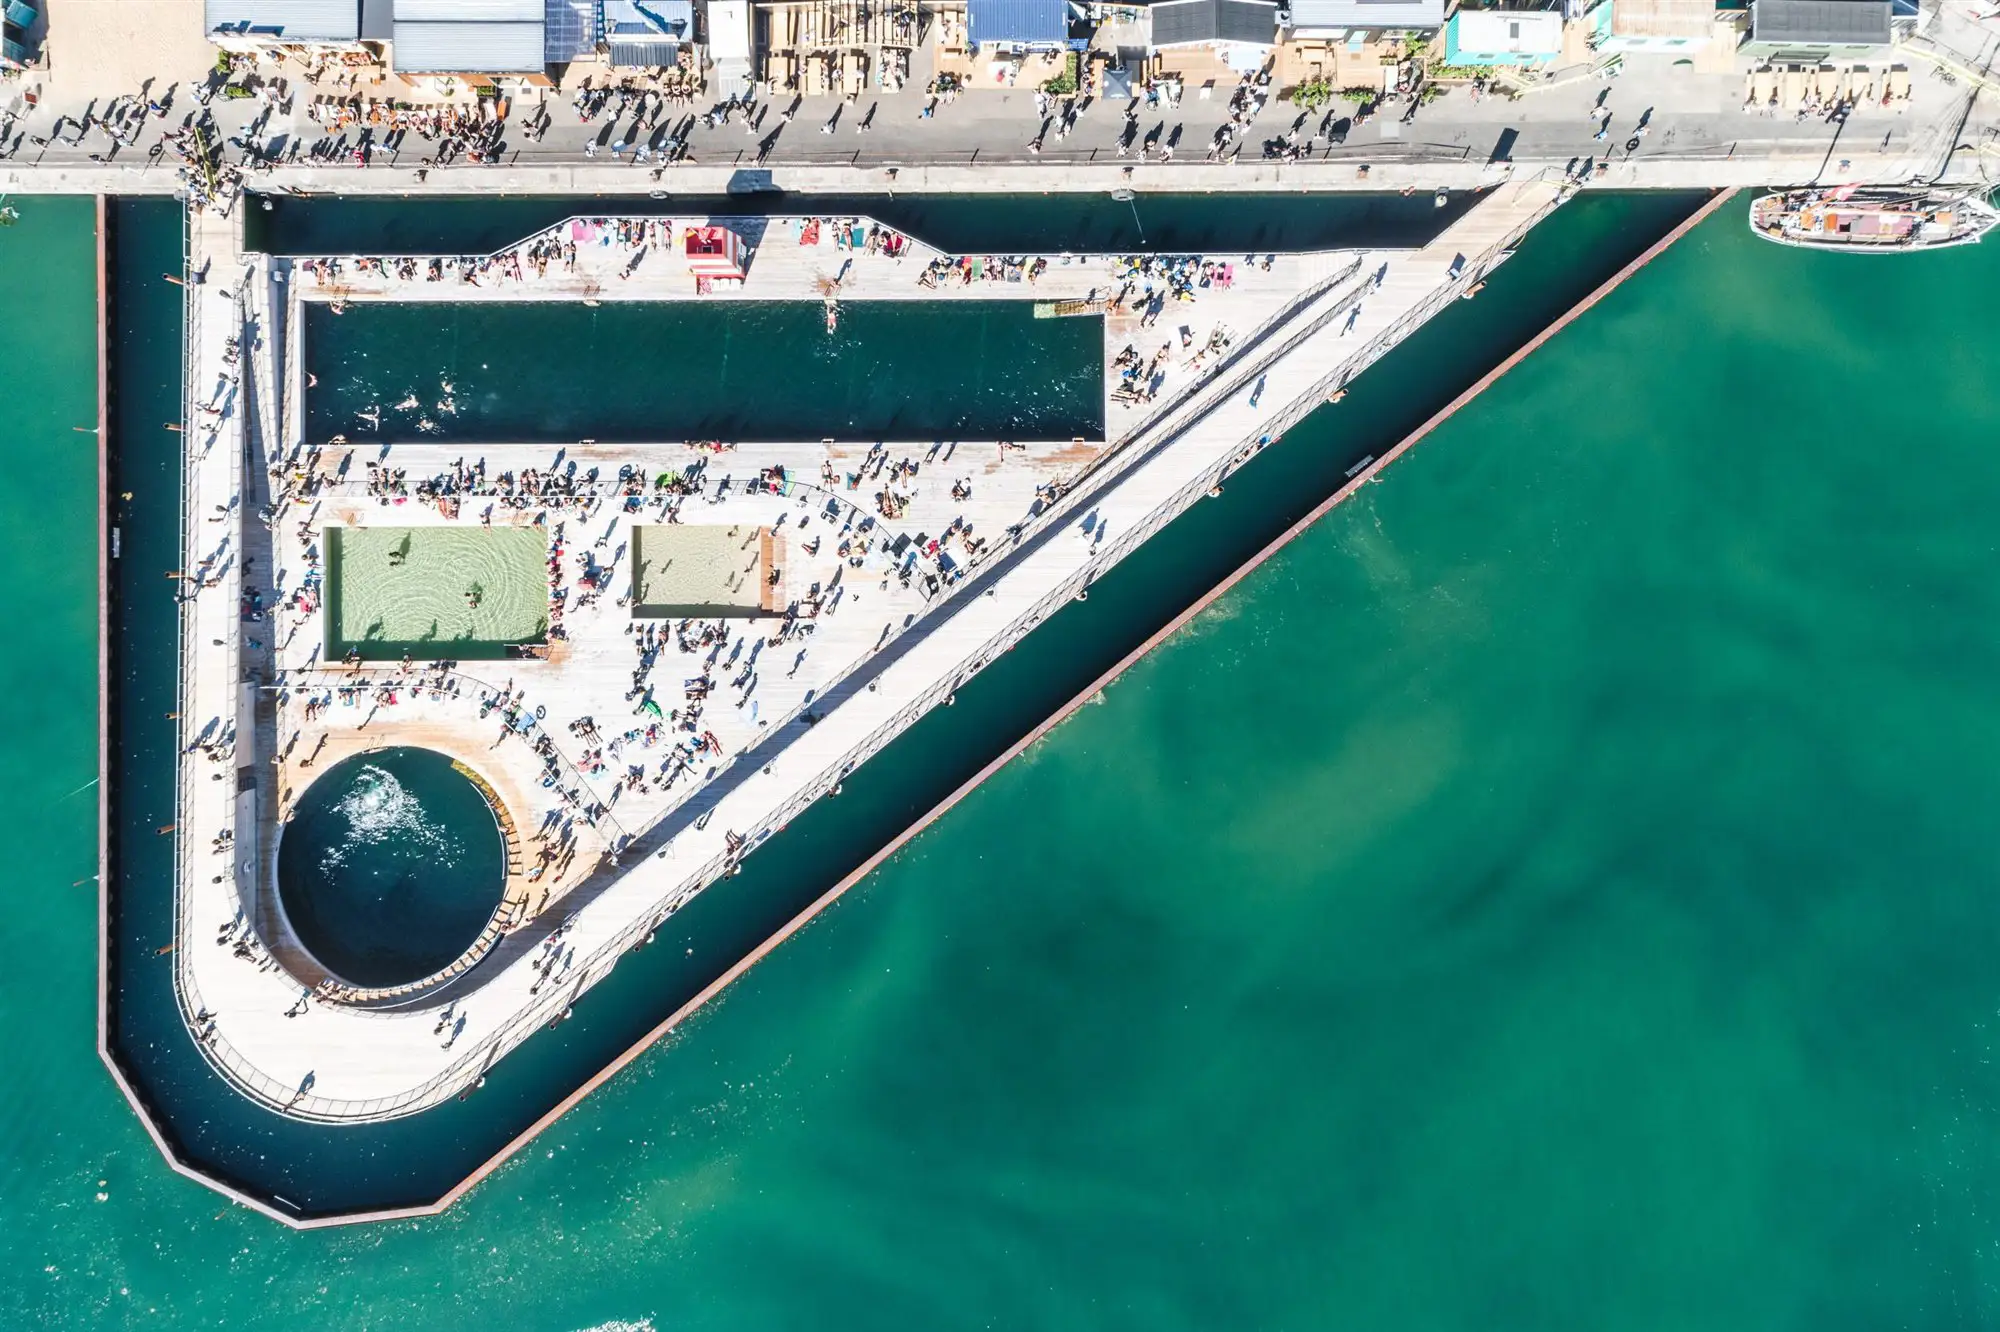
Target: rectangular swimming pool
{"type": "Point", "coordinates": [703, 571]}
{"type": "Point", "coordinates": [625, 372]}
{"type": "Point", "coordinates": [462, 592]}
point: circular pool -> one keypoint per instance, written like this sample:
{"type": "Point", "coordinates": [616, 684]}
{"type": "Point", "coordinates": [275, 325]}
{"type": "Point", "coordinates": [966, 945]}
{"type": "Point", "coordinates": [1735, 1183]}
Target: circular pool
{"type": "Point", "coordinates": [391, 865]}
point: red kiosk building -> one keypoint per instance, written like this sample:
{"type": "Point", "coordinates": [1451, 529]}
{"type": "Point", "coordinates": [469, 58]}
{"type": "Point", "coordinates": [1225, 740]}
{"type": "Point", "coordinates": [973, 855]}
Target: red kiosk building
{"type": "Point", "coordinates": [714, 253]}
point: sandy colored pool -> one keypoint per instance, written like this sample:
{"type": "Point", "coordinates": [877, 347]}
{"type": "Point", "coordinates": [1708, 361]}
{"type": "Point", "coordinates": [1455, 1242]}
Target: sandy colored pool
{"type": "Point", "coordinates": [700, 570]}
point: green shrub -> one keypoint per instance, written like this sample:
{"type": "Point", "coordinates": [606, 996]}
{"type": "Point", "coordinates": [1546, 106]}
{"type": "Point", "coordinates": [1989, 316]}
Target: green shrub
{"type": "Point", "coordinates": [1063, 84]}
{"type": "Point", "coordinates": [1312, 95]}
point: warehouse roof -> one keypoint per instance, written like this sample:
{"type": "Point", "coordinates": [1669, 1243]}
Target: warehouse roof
{"type": "Point", "coordinates": [480, 47]}
{"type": "Point", "coordinates": [1185, 22]}
{"type": "Point", "coordinates": [289, 20]}
{"type": "Point", "coordinates": [1819, 22]}
{"type": "Point", "coordinates": [1017, 20]}
{"type": "Point", "coordinates": [1367, 13]}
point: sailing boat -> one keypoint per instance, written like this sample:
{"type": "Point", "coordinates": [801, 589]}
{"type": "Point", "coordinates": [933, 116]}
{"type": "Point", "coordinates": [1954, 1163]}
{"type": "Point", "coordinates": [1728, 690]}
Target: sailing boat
{"type": "Point", "coordinates": [1873, 219]}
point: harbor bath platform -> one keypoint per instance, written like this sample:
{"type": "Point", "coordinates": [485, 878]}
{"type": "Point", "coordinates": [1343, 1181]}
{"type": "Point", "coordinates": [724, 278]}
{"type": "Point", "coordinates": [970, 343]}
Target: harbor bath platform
{"type": "Point", "coordinates": [727, 628]}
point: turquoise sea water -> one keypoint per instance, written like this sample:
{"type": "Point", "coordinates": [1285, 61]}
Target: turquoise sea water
{"type": "Point", "coordinates": [1554, 893]}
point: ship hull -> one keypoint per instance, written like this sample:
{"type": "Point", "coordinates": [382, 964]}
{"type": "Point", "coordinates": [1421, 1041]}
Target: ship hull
{"type": "Point", "coordinates": [1883, 221]}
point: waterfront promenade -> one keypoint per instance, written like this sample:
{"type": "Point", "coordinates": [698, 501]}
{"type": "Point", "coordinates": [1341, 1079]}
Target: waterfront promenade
{"type": "Point", "coordinates": [874, 671]}
{"type": "Point", "coordinates": [1701, 119]}
{"type": "Point", "coordinates": [1701, 131]}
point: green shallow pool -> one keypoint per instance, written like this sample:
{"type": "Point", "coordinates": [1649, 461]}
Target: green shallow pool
{"type": "Point", "coordinates": [396, 590]}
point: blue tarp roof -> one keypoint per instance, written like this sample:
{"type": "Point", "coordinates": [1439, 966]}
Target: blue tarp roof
{"type": "Point", "coordinates": [649, 20]}
{"type": "Point", "coordinates": [1017, 20]}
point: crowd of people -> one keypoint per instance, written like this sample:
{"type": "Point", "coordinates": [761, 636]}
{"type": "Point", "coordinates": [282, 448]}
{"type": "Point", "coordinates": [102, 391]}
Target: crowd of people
{"type": "Point", "coordinates": [675, 87]}
{"type": "Point", "coordinates": [581, 572]}
{"type": "Point", "coordinates": [1181, 274]}
{"type": "Point", "coordinates": [968, 269]}
{"type": "Point", "coordinates": [120, 124]}
{"type": "Point", "coordinates": [660, 125]}
{"type": "Point", "coordinates": [655, 118]}
{"type": "Point", "coordinates": [854, 233]}
{"type": "Point", "coordinates": [629, 240]}
{"type": "Point", "coordinates": [627, 236]}
{"type": "Point", "coordinates": [431, 121]}
{"type": "Point", "coordinates": [1140, 376]}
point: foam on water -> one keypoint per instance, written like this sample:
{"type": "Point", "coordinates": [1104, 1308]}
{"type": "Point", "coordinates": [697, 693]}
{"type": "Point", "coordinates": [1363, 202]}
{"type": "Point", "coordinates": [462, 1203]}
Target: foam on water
{"type": "Point", "coordinates": [381, 809]}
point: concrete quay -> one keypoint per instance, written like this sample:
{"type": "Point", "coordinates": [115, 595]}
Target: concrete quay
{"type": "Point", "coordinates": [1704, 129]}
{"type": "Point", "coordinates": [1675, 124]}
{"type": "Point", "coordinates": [1753, 167]}
{"type": "Point", "coordinates": [877, 661]}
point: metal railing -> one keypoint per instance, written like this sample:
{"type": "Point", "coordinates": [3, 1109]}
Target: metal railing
{"type": "Point", "coordinates": [189, 594]}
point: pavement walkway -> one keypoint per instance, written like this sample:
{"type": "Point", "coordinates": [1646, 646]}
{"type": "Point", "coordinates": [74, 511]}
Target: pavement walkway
{"type": "Point", "coordinates": [1699, 133]}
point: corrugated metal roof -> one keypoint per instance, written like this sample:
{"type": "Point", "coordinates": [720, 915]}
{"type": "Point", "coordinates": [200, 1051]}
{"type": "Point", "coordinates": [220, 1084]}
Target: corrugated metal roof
{"type": "Point", "coordinates": [288, 20]}
{"type": "Point", "coordinates": [1821, 22]}
{"type": "Point", "coordinates": [643, 55]}
{"type": "Point", "coordinates": [1017, 20]}
{"type": "Point", "coordinates": [1512, 31]}
{"type": "Point", "coordinates": [470, 11]}
{"type": "Point", "coordinates": [1367, 13]}
{"type": "Point", "coordinates": [469, 48]}
{"type": "Point", "coordinates": [1181, 22]}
